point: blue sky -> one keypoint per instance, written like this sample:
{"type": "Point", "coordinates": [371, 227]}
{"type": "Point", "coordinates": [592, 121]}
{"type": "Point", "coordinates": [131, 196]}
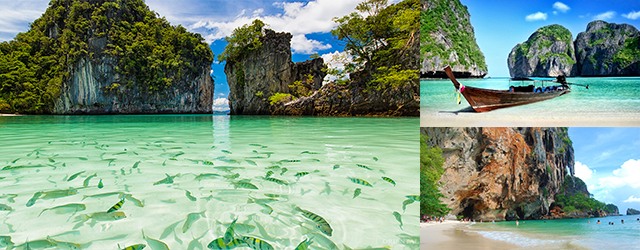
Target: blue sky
{"type": "Point", "coordinates": [608, 160]}
{"type": "Point", "coordinates": [308, 21]}
{"type": "Point", "coordinates": [500, 24]}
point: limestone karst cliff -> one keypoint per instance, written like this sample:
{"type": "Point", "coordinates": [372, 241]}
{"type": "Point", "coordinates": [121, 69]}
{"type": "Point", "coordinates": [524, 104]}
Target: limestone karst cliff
{"type": "Point", "coordinates": [549, 52]}
{"type": "Point", "coordinates": [608, 49]}
{"type": "Point", "coordinates": [447, 38]}
{"type": "Point", "coordinates": [502, 173]}
{"type": "Point", "coordinates": [604, 49]}
{"type": "Point", "coordinates": [105, 57]}
{"type": "Point", "coordinates": [261, 73]}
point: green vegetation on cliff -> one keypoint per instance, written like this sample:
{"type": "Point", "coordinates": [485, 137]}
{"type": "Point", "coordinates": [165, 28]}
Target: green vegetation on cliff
{"type": "Point", "coordinates": [630, 53]}
{"type": "Point", "coordinates": [152, 56]}
{"type": "Point", "coordinates": [379, 38]}
{"type": "Point", "coordinates": [576, 198]}
{"type": "Point", "coordinates": [463, 41]}
{"type": "Point", "coordinates": [242, 40]}
{"type": "Point", "coordinates": [544, 38]}
{"type": "Point", "coordinates": [431, 162]}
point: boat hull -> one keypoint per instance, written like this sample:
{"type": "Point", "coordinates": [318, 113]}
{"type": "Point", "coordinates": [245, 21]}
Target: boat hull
{"type": "Point", "coordinates": [483, 100]}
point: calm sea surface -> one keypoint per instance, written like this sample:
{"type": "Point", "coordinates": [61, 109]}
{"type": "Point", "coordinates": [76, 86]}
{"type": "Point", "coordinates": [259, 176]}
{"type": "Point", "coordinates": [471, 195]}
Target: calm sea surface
{"type": "Point", "coordinates": [607, 99]}
{"type": "Point", "coordinates": [184, 179]}
{"type": "Point", "coordinates": [567, 233]}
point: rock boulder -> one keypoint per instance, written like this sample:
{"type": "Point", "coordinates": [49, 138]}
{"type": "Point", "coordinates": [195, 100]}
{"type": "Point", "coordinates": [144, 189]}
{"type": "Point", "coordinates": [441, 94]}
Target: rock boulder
{"type": "Point", "coordinates": [608, 49]}
{"type": "Point", "coordinates": [549, 52]}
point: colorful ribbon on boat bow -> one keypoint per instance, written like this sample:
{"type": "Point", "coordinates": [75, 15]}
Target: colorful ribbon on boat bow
{"type": "Point", "coordinates": [458, 91]}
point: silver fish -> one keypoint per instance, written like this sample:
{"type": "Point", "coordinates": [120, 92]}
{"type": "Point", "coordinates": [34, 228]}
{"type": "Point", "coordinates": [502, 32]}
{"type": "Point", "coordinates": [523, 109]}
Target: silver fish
{"type": "Point", "coordinates": [191, 218]}
{"type": "Point", "coordinates": [166, 180]}
{"type": "Point", "coordinates": [155, 244]}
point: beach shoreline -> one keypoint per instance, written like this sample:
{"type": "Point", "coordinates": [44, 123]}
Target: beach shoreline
{"type": "Point", "coordinates": [451, 119]}
{"type": "Point", "coordinates": [452, 235]}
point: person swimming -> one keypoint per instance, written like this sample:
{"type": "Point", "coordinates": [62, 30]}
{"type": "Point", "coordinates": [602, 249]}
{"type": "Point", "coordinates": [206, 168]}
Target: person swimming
{"type": "Point", "coordinates": [622, 221]}
{"type": "Point", "coordinates": [599, 222]}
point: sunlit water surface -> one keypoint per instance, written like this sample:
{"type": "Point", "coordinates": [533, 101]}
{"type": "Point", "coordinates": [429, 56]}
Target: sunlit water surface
{"type": "Point", "coordinates": [128, 154]}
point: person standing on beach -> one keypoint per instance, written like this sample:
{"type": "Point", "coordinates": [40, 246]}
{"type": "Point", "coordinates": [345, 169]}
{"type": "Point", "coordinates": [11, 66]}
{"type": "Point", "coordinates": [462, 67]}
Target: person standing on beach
{"type": "Point", "coordinates": [517, 223]}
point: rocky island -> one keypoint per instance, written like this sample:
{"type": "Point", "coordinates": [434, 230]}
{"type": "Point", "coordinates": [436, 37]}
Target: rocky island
{"type": "Point", "coordinates": [447, 38]}
{"type": "Point", "coordinates": [604, 49]}
{"type": "Point", "coordinates": [383, 77]}
{"type": "Point", "coordinates": [105, 57]}
{"type": "Point", "coordinates": [508, 174]}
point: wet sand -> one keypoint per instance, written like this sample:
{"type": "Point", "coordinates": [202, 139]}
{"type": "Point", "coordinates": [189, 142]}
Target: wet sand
{"type": "Point", "coordinates": [472, 119]}
{"type": "Point", "coordinates": [453, 235]}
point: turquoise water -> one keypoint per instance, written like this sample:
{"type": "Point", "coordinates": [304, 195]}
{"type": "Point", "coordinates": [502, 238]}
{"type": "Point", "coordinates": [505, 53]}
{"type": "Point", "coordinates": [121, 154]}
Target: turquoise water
{"type": "Point", "coordinates": [567, 233]}
{"type": "Point", "coordinates": [128, 154]}
{"type": "Point", "coordinates": [608, 98]}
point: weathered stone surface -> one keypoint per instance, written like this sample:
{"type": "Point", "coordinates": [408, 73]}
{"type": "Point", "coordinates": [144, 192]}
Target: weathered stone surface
{"type": "Point", "coordinates": [87, 93]}
{"type": "Point", "coordinates": [549, 52]}
{"type": "Point", "coordinates": [439, 47]}
{"type": "Point", "coordinates": [269, 70]}
{"type": "Point", "coordinates": [631, 211]}
{"type": "Point", "coordinates": [259, 74]}
{"type": "Point", "coordinates": [608, 49]}
{"type": "Point", "coordinates": [502, 173]}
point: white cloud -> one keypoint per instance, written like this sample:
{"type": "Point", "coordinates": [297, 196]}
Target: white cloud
{"type": "Point", "coordinates": [632, 199]}
{"type": "Point", "coordinates": [536, 16]}
{"type": "Point", "coordinates": [555, 12]}
{"type": "Point", "coordinates": [15, 16]}
{"type": "Point", "coordinates": [561, 7]}
{"type": "Point", "coordinates": [336, 60]}
{"type": "Point", "coordinates": [627, 175]}
{"type": "Point", "coordinates": [299, 19]}
{"type": "Point", "coordinates": [632, 15]}
{"type": "Point", "coordinates": [583, 172]}
{"type": "Point", "coordinates": [605, 16]}
{"type": "Point", "coordinates": [221, 104]}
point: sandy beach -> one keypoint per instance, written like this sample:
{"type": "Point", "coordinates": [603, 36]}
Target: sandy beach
{"type": "Point", "coordinates": [452, 235]}
{"type": "Point", "coordinates": [471, 119]}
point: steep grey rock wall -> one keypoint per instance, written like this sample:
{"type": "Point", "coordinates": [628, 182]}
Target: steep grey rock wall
{"type": "Point", "coordinates": [549, 52]}
{"type": "Point", "coordinates": [608, 49]}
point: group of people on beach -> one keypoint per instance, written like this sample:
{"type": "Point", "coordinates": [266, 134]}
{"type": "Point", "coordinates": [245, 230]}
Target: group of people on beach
{"type": "Point", "coordinates": [432, 218]}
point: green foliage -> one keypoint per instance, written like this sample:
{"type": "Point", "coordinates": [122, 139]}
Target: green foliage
{"type": "Point", "coordinates": [152, 56]}
{"type": "Point", "coordinates": [576, 198]}
{"type": "Point", "coordinates": [548, 169]}
{"type": "Point", "coordinates": [630, 53]}
{"type": "Point", "coordinates": [392, 77]}
{"type": "Point", "coordinates": [259, 94]}
{"type": "Point", "coordinates": [314, 56]}
{"type": "Point", "coordinates": [242, 40]}
{"type": "Point", "coordinates": [277, 97]}
{"type": "Point", "coordinates": [301, 89]}
{"type": "Point", "coordinates": [544, 38]}
{"type": "Point", "coordinates": [611, 209]}
{"type": "Point", "coordinates": [556, 33]}
{"type": "Point", "coordinates": [379, 35]}
{"type": "Point", "coordinates": [463, 41]}
{"type": "Point", "coordinates": [595, 42]}
{"type": "Point", "coordinates": [431, 162]}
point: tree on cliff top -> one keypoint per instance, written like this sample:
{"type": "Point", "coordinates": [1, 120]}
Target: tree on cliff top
{"type": "Point", "coordinates": [242, 40]}
{"type": "Point", "coordinates": [379, 37]}
{"type": "Point", "coordinates": [431, 162]}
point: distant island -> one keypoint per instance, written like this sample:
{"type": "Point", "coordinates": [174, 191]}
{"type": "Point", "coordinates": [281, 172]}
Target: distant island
{"type": "Point", "coordinates": [604, 49]}
{"type": "Point", "coordinates": [105, 57]}
{"type": "Point", "coordinates": [498, 174]}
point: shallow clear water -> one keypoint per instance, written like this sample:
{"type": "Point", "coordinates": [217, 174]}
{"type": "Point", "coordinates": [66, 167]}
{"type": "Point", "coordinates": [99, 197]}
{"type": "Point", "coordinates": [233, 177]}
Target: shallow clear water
{"type": "Point", "coordinates": [131, 153]}
{"type": "Point", "coordinates": [567, 233]}
{"type": "Point", "coordinates": [613, 98]}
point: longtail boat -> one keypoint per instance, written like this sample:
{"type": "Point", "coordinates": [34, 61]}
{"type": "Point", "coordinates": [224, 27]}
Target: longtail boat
{"type": "Point", "coordinates": [483, 100]}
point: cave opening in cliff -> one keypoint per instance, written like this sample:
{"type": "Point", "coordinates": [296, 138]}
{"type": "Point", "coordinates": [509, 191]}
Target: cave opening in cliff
{"type": "Point", "coordinates": [469, 208]}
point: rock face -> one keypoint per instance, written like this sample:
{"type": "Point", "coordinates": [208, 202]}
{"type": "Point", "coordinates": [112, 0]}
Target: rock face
{"type": "Point", "coordinates": [261, 73]}
{"type": "Point", "coordinates": [631, 211]}
{"type": "Point", "coordinates": [87, 92]}
{"type": "Point", "coordinates": [502, 173]}
{"type": "Point", "coordinates": [549, 52]}
{"type": "Point", "coordinates": [447, 38]}
{"type": "Point", "coordinates": [608, 49]}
